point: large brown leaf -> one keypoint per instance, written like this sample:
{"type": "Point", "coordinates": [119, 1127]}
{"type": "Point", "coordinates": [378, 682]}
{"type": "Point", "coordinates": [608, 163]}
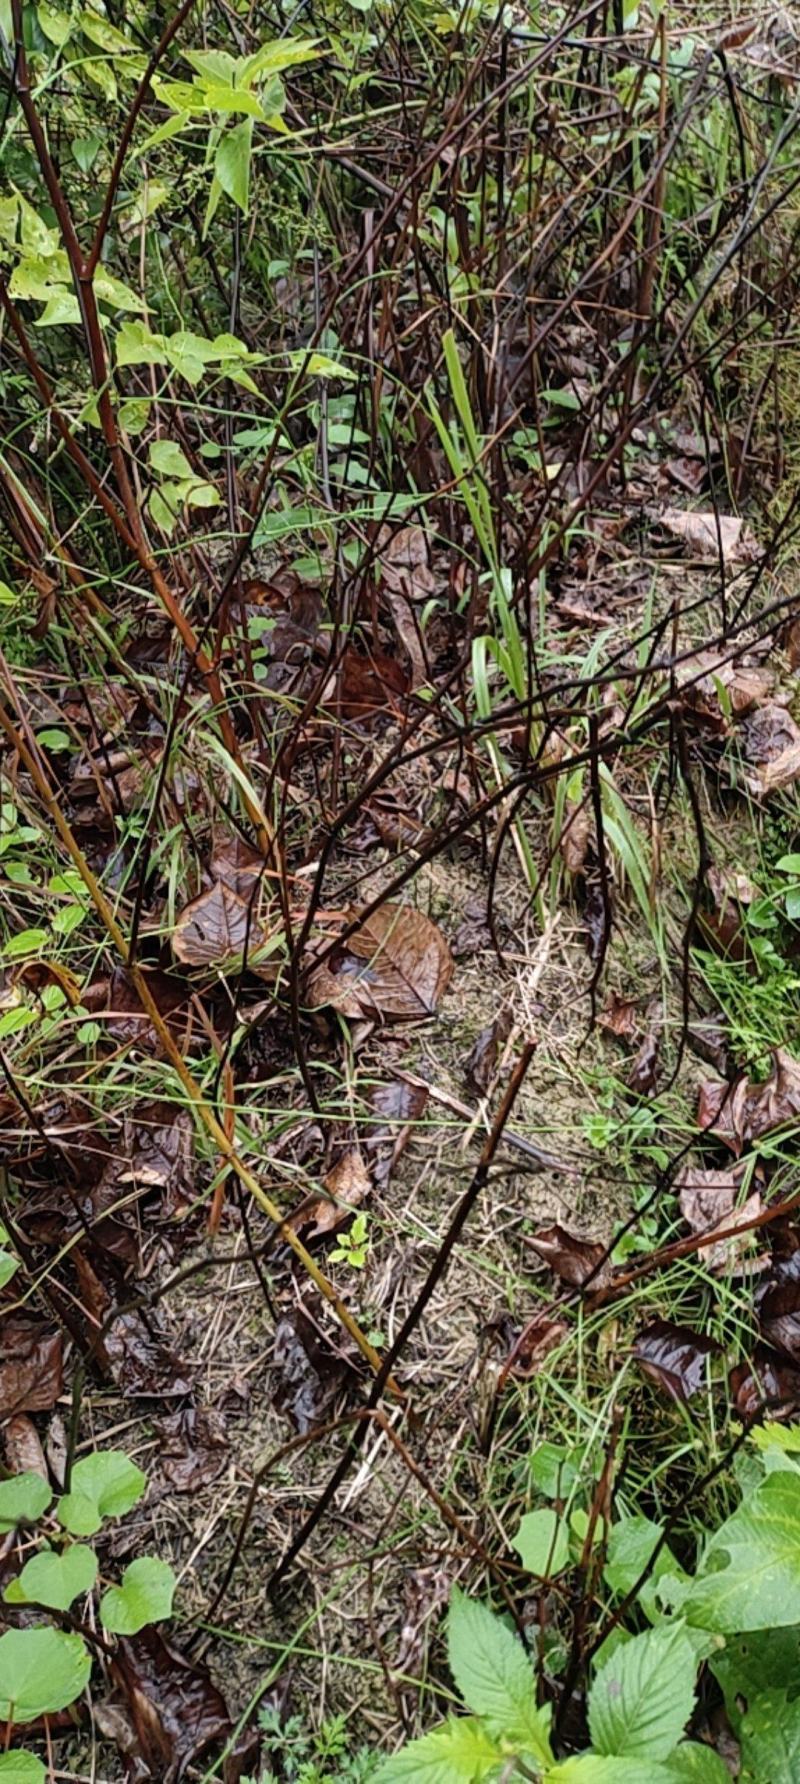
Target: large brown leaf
{"type": "Point", "coordinates": [772, 742]}
{"type": "Point", "coordinates": [404, 564]}
{"type": "Point", "coordinates": [31, 1369]}
{"type": "Point", "coordinates": [347, 1183]}
{"type": "Point", "coordinates": [706, 535]}
{"type": "Point", "coordinates": [674, 1357]}
{"type": "Point", "coordinates": [174, 1712]}
{"type": "Point", "coordinates": [573, 1259]}
{"type": "Point", "coordinates": [766, 1381]}
{"type": "Point", "coordinates": [215, 926]}
{"type": "Point", "coordinates": [743, 1112]}
{"type": "Point", "coordinates": [193, 1447]}
{"type": "Point", "coordinates": [711, 1200]}
{"type": "Point", "coordinates": [778, 1306]}
{"type": "Point", "coordinates": [396, 965]}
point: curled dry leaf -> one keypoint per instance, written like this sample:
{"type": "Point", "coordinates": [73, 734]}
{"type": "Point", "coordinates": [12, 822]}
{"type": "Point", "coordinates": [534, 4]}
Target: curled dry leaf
{"type": "Point", "coordinates": [309, 1372]}
{"type": "Point", "coordinates": [576, 835]}
{"type": "Point", "coordinates": [172, 1710]}
{"type": "Point", "coordinates": [403, 560]}
{"type": "Point", "coordinates": [622, 1016]}
{"type": "Point", "coordinates": [216, 926]}
{"type": "Point", "coordinates": [732, 893]}
{"type": "Point", "coordinates": [707, 535]}
{"type": "Point", "coordinates": [534, 1343]}
{"type": "Point", "coordinates": [778, 1306]}
{"type": "Point", "coordinates": [366, 685]}
{"type": "Point", "coordinates": [674, 1358]}
{"type": "Point", "coordinates": [481, 1062]}
{"type": "Point", "coordinates": [193, 1447]}
{"type": "Point", "coordinates": [31, 1369]}
{"type": "Point", "coordinates": [397, 965]}
{"type": "Point", "coordinates": [347, 1183]}
{"type": "Point", "coordinates": [766, 1381]}
{"type": "Point", "coordinates": [715, 688]}
{"type": "Point", "coordinates": [396, 1106]}
{"type": "Point", "coordinates": [573, 1259]}
{"type": "Point", "coordinates": [708, 1202]}
{"type": "Point", "coordinates": [643, 1072]}
{"type": "Point", "coordinates": [24, 1453]}
{"type": "Point", "coordinates": [743, 1112]}
{"type": "Point", "coordinates": [771, 741]}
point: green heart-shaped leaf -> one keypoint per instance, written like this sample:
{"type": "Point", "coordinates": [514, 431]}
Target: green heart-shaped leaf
{"type": "Point", "coordinates": [105, 1485]}
{"type": "Point", "coordinates": [144, 1596]}
{"type": "Point", "coordinates": [54, 1579]}
{"type": "Point", "coordinates": [41, 1671]}
{"type": "Point", "coordinates": [23, 1498]}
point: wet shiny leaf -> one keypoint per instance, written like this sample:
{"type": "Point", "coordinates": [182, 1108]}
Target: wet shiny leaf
{"type": "Point", "coordinates": [674, 1358]}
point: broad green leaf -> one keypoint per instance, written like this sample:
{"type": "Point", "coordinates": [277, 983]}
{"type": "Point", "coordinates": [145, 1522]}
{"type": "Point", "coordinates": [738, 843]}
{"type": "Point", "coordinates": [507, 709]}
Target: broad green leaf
{"type": "Point", "coordinates": [202, 495]}
{"type": "Point", "coordinates": [542, 1543]}
{"type": "Point", "coordinates": [54, 1578]}
{"type": "Point", "coordinates": [597, 1768]}
{"type": "Point", "coordinates": [28, 941]}
{"type": "Point", "coordinates": [698, 1764]}
{"type": "Point", "coordinates": [104, 1485]}
{"type": "Point", "coordinates": [219, 98]}
{"type": "Point", "coordinates": [9, 1266]}
{"type": "Point", "coordinates": [769, 1737]}
{"type": "Point", "coordinates": [41, 1671]}
{"type": "Point", "coordinates": [749, 1577]}
{"type": "Point", "coordinates": [495, 1677]}
{"type": "Point", "coordinates": [320, 365]}
{"type": "Point", "coordinates": [273, 58]}
{"type": "Point", "coordinates": [232, 163]}
{"type": "Point", "coordinates": [169, 459]}
{"type": "Point", "coordinates": [766, 1660]}
{"type": "Point", "coordinates": [60, 309]}
{"type": "Point", "coordinates": [458, 1750]}
{"type": "Point", "coordinates": [115, 292]}
{"type": "Point", "coordinates": [55, 25]}
{"type": "Point", "coordinates": [134, 413]}
{"type": "Point", "coordinates": [137, 345]}
{"type": "Point", "coordinates": [101, 75]}
{"type": "Point", "coordinates": [23, 1499]}
{"type": "Point", "coordinates": [642, 1698]}
{"type": "Point", "coordinates": [21, 1768]}
{"type": "Point", "coordinates": [217, 65]}
{"type": "Point", "coordinates": [163, 507]}
{"type": "Point", "coordinates": [144, 1596]}
{"type": "Point", "coordinates": [85, 150]}
{"type": "Point", "coordinates": [630, 1546]}
{"type": "Point", "coordinates": [554, 1469]}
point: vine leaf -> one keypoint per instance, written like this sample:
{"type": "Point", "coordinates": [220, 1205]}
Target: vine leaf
{"type": "Point", "coordinates": [41, 1671]}
{"type": "Point", "coordinates": [54, 1579]}
{"type": "Point", "coordinates": [144, 1596]}
{"type": "Point", "coordinates": [104, 1485]}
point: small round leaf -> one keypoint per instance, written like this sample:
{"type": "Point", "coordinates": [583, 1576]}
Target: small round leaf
{"type": "Point", "coordinates": [105, 1485]}
{"type": "Point", "coordinates": [23, 1498]}
{"type": "Point", "coordinates": [54, 1579]}
{"type": "Point", "coordinates": [144, 1596]}
{"type": "Point", "coordinates": [542, 1543]}
{"type": "Point", "coordinates": [21, 1768]}
{"type": "Point", "coordinates": [41, 1671]}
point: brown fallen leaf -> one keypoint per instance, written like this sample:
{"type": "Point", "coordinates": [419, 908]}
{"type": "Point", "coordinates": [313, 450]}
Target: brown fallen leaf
{"type": "Point", "coordinates": [622, 1016]}
{"type": "Point", "coordinates": [481, 1061]}
{"type": "Point", "coordinates": [674, 1358]}
{"type": "Point", "coordinates": [410, 635]}
{"type": "Point", "coordinates": [708, 535]}
{"type": "Point", "coordinates": [396, 1105]}
{"type": "Point", "coordinates": [573, 1259]}
{"type": "Point", "coordinates": [236, 864]}
{"type": "Point", "coordinates": [193, 1447]}
{"type": "Point", "coordinates": [23, 1449]}
{"type": "Point", "coordinates": [534, 1343]}
{"type": "Point", "coordinates": [403, 560]}
{"type": "Point", "coordinates": [743, 1112]}
{"type": "Point", "coordinates": [309, 1372]}
{"type": "Point", "coordinates": [347, 1183]}
{"type": "Point", "coordinates": [766, 1381]}
{"type": "Point", "coordinates": [576, 835]}
{"type": "Point", "coordinates": [778, 1306]}
{"type": "Point", "coordinates": [642, 1076]}
{"type": "Point", "coordinates": [397, 965]}
{"type": "Point", "coordinates": [126, 1018]}
{"type": "Point", "coordinates": [31, 1366]}
{"type": "Point", "coordinates": [732, 892]}
{"type": "Point", "coordinates": [366, 685]}
{"type": "Point", "coordinates": [715, 688]}
{"type": "Point", "coordinates": [708, 1201]}
{"type": "Point", "coordinates": [215, 926]}
{"type": "Point", "coordinates": [771, 740]}
{"type": "Point", "coordinates": [173, 1710]}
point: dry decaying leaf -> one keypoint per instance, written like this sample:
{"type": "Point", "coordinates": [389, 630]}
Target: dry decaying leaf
{"type": "Point", "coordinates": [217, 925]}
{"type": "Point", "coordinates": [22, 1446]}
{"type": "Point", "coordinates": [173, 1712]}
{"type": "Point", "coordinates": [708, 1200]}
{"type": "Point", "coordinates": [396, 965]}
{"type": "Point", "coordinates": [778, 1306]}
{"type": "Point", "coordinates": [31, 1370]}
{"type": "Point", "coordinates": [193, 1447]}
{"type": "Point", "coordinates": [397, 1105]}
{"type": "Point", "coordinates": [733, 892]}
{"type": "Point", "coordinates": [674, 1358]}
{"type": "Point", "coordinates": [767, 1380]}
{"type": "Point", "coordinates": [404, 564]}
{"type": "Point", "coordinates": [535, 1342]}
{"type": "Point", "coordinates": [743, 1112]}
{"type": "Point", "coordinates": [348, 1183]}
{"type": "Point", "coordinates": [309, 1372]}
{"type": "Point", "coordinates": [622, 1016]}
{"type": "Point", "coordinates": [716, 688]}
{"type": "Point", "coordinates": [771, 741]}
{"type": "Point", "coordinates": [481, 1062]}
{"type": "Point", "coordinates": [643, 1073]}
{"type": "Point", "coordinates": [709, 534]}
{"type": "Point", "coordinates": [573, 1259]}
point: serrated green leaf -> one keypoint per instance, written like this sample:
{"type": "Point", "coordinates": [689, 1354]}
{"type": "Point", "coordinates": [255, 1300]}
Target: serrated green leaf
{"type": "Point", "coordinates": [495, 1677]}
{"type": "Point", "coordinates": [749, 1577]}
{"type": "Point", "coordinates": [143, 1596]}
{"type": "Point", "coordinates": [23, 1499]}
{"type": "Point", "coordinates": [630, 1546]}
{"type": "Point", "coordinates": [232, 163]}
{"type": "Point", "coordinates": [542, 1543]}
{"type": "Point", "coordinates": [698, 1764]}
{"type": "Point", "coordinates": [21, 1768]}
{"type": "Point", "coordinates": [54, 1579]}
{"type": "Point", "coordinates": [596, 1768]}
{"type": "Point", "coordinates": [642, 1698]}
{"type": "Point", "coordinates": [458, 1752]}
{"type": "Point", "coordinates": [41, 1672]}
{"type": "Point", "coordinates": [104, 1485]}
